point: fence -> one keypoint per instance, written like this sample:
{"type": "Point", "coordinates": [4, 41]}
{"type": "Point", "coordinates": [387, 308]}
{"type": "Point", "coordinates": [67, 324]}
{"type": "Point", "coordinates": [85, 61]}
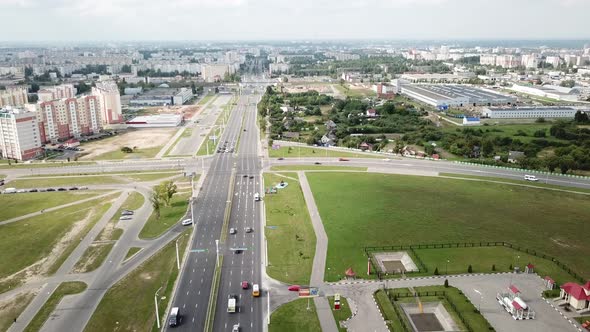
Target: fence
{"type": "Point", "coordinates": [411, 247]}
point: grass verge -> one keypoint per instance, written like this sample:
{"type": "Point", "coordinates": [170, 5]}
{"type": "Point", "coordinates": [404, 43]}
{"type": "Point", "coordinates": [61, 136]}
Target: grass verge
{"type": "Point", "coordinates": [132, 251]}
{"type": "Point", "coordinates": [137, 291]}
{"type": "Point", "coordinates": [290, 235]}
{"type": "Point", "coordinates": [294, 316]}
{"type": "Point", "coordinates": [64, 181]}
{"type": "Point", "coordinates": [439, 210]}
{"type": "Point", "coordinates": [387, 311]}
{"type": "Point", "coordinates": [340, 315]}
{"type": "Point", "coordinates": [65, 288]}
{"type": "Point", "coordinates": [520, 182]}
{"type": "Point", "coordinates": [93, 257]}
{"type": "Point", "coordinates": [169, 216]}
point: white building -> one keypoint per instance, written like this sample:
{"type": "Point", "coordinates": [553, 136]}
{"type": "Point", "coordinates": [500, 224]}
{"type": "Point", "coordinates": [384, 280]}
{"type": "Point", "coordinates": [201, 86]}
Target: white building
{"type": "Point", "coordinates": [19, 134]}
{"type": "Point", "coordinates": [182, 96]}
{"type": "Point", "coordinates": [555, 61]}
{"type": "Point", "coordinates": [530, 60]}
{"type": "Point", "coordinates": [549, 91]}
{"type": "Point", "coordinates": [530, 112]}
{"type": "Point", "coordinates": [110, 102]}
{"type": "Point", "coordinates": [16, 96]}
{"type": "Point", "coordinates": [156, 121]}
{"type": "Point", "coordinates": [487, 60]}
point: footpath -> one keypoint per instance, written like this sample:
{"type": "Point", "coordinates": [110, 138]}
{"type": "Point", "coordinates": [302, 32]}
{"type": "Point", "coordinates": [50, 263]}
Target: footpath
{"type": "Point", "coordinates": [324, 312]}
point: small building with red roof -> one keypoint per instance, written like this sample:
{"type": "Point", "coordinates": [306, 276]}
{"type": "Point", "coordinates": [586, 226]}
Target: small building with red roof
{"type": "Point", "coordinates": [577, 296]}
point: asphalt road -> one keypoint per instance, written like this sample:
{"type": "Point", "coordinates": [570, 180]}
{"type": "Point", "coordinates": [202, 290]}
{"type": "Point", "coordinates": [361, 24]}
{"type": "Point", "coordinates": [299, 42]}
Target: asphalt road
{"type": "Point", "coordinates": [193, 291]}
{"type": "Point", "coordinates": [245, 212]}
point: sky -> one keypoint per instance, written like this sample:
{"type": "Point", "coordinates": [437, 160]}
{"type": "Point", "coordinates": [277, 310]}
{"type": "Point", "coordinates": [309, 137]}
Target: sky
{"type": "Point", "coordinates": [119, 20]}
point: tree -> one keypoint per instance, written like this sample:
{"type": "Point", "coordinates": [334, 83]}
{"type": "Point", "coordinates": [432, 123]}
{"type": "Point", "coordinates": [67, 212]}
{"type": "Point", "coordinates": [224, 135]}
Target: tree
{"type": "Point", "coordinates": [155, 200]}
{"type": "Point", "coordinates": [194, 88]}
{"type": "Point", "coordinates": [487, 148]}
{"type": "Point", "coordinates": [510, 268]}
{"type": "Point", "coordinates": [168, 190]}
{"type": "Point", "coordinates": [581, 117]}
{"type": "Point", "coordinates": [82, 87]}
{"type": "Point", "coordinates": [469, 269]}
{"type": "Point", "coordinates": [446, 283]}
{"type": "Point", "coordinates": [568, 83]}
{"type": "Point", "coordinates": [436, 271]}
{"type": "Point", "coordinates": [34, 88]}
{"type": "Point", "coordinates": [126, 69]}
{"type": "Point", "coordinates": [493, 267]}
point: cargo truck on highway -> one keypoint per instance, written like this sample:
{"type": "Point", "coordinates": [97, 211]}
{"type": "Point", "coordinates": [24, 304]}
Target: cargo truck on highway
{"type": "Point", "coordinates": [231, 304]}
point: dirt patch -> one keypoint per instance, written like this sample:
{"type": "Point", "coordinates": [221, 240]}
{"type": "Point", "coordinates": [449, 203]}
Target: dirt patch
{"type": "Point", "coordinates": [561, 243]}
{"type": "Point", "coordinates": [13, 307]}
{"type": "Point", "coordinates": [145, 276]}
{"type": "Point", "coordinates": [144, 138]}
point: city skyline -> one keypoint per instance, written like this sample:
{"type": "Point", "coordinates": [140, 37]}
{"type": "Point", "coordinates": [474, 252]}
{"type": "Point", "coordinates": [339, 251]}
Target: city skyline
{"type": "Point", "coordinates": [225, 20]}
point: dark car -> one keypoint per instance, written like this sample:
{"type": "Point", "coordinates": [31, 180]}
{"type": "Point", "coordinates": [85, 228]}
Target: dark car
{"type": "Point", "coordinates": [74, 188]}
{"type": "Point", "coordinates": [281, 158]}
{"type": "Point", "coordinates": [317, 163]}
{"type": "Point", "coordinates": [62, 189]}
{"type": "Point", "coordinates": [251, 176]}
{"type": "Point", "coordinates": [245, 175]}
{"type": "Point", "coordinates": [33, 190]}
{"type": "Point", "coordinates": [50, 189]}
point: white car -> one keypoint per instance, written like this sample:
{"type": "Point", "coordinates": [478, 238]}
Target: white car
{"type": "Point", "coordinates": [236, 328]}
{"type": "Point", "coordinates": [187, 222]}
{"type": "Point", "coordinates": [232, 230]}
{"type": "Point", "coordinates": [126, 218]}
{"type": "Point", "coordinates": [531, 178]}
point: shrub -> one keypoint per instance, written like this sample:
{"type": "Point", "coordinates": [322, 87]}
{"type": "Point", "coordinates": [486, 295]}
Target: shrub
{"type": "Point", "coordinates": [126, 149]}
{"type": "Point", "coordinates": [446, 283]}
{"type": "Point", "coordinates": [470, 269]}
{"type": "Point", "coordinates": [436, 271]}
{"type": "Point", "coordinates": [493, 267]}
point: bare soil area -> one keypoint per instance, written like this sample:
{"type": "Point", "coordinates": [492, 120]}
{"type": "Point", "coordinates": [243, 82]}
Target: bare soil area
{"type": "Point", "coordinates": [140, 138]}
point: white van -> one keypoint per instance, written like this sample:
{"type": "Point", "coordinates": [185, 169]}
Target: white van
{"type": "Point", "coordinates": [531, 178]}
{"type": "Point", "coordinates": [173, 317]}
{"type": "Point", "coordinates": [10, 191]}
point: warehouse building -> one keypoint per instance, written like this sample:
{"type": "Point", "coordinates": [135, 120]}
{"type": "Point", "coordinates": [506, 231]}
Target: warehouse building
{"type": "Point", "coordinates": [444, 96]}
{"type": "Point", "coordinates": [530, 112]}
{"type": "Point", "coordinates": [156, 121]}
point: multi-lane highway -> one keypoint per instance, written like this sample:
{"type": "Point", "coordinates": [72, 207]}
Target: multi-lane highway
{"type": "Point", "coordinates": [245, 212]}
{"type": "Point", "coordinates": [193, 292]}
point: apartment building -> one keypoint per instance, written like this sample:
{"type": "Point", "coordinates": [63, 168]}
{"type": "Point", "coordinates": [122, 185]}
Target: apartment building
{"type": "Point", "coordinates": [62, 119]}
{"type": "Point", "coordinates": [216, 72]}
{"type": "Point", "coordinates": [278, 68]}
{"type": "Point", "coordinates": [110, 102]}
{"type": "Point", "coordinates": [57, 92]}
{"type": "Point", "coordinates": [16, 96]}
{"type": "Point", "coordinates": [20, 138]}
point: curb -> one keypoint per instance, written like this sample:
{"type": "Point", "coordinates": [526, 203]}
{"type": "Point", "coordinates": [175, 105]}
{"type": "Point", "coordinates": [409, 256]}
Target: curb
{"type": "Point", "coordinates": [380, 313]}
{"type": "Point", "coordinates": [572, 322]}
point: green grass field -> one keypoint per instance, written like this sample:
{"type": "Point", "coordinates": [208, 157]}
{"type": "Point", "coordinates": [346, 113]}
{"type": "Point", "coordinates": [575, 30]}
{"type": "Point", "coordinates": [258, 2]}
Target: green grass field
{"type": "Point", "coordinates": [21, 204]}
{"type": "Point", "coordinates": [136, 291]}
{"type": "Point", "coordinates": [308, 152]}
{"type": "Point", "coordinates": [294, 316]}
{"type": "Point", "coordinates": [169, 216]}
{"type": "Point", "coordinates": [95, 215]}
{"type": "Point", "coordinates": [482, 259]}
{"type": "Point", "coordinates": [291, 240]}
{"type": "Point", "coordinates": [340, 315]}
{"type": "Point", "coordinates": [11, 309]}
{"type": "Point", "coordinates": [511, 130]}
{"type": "Point", "coordinates": [538, 184]}
{"type": "Point", "coordinates": [5, 165]}
{"type": "Point", "coordinates": [25, 242]}
{"type": "Point", "coordinates": [63, 181]}
{"type": "Point", "coordinates": [354, 93]}
{"type": "Point", "coordinates": [317, 168]}
{"type": "Point", "coordinates": [361, 210]}
{"type": "Point", "coordinates": [151, 177]}
{"type": "Point", "coordinates": [206, 99]}
{"type": "Point", "coordinates": [65, 288]}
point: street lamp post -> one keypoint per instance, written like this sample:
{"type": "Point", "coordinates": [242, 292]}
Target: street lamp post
{"type": "Point", "coordinates": [156, 303]}
{"type": "Point", "coordinates": [177, 256]}
{"type": "Point", "coordinates": [217, 251]}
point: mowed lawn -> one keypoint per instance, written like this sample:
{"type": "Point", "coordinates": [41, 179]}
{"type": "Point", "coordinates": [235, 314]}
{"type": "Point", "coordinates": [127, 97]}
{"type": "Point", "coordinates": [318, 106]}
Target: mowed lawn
{"type": "Point", "coordinates": [308, 152]}
{"type": "Point", "coordinates": [290, 235]}
{"type": "Point", "coordinates": [294, 316]}
{"type": "Point", "coordinates": [361, 210]}
{"type": "Point", "coordinates": [12, 206]}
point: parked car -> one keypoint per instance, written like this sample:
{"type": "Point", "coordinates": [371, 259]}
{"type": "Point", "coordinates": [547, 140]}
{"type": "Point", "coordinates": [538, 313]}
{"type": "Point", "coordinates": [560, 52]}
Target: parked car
{"type": "Point", "coordinates": [33, 190]}
{"type": "Point", "coordinates": [50, 189]}
{"type": "Point", "coordinates": [62, 189]}
{"type": "Point", "coordinates": [317, 163]}
{"type": "Point", "coordinates": [343, 159]}
{"type": "Point", "coordinates": [531, 178]}
{"type": "Point", "coordinates": [127, 213]}
{"type": "Point", "coordinates": [10, 191]}
{"type": "Point", "coordinates": [83, 188]}
{"type": "Point", "coordinates": [20, 191]}
{"type": "Point", "coordinates": [232, 231]}
{"type": "Point", "coordinates": [187, 222]}
{"type": "Point", "coordinates": [74, 188]}
{"type": "Point", "coordinates": [281, 158]}
{"type": "Point", "coordinates": [245, 284]}
{"type": "Point", "coordinates": [125, 218]}
{"type": "Point", "coordinates": [42, 190]}
{"type": "Point", "coordinates": [294, 288]}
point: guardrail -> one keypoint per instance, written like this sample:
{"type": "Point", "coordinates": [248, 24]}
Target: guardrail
{"type": "Point", "coordinates": [531, 171]}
